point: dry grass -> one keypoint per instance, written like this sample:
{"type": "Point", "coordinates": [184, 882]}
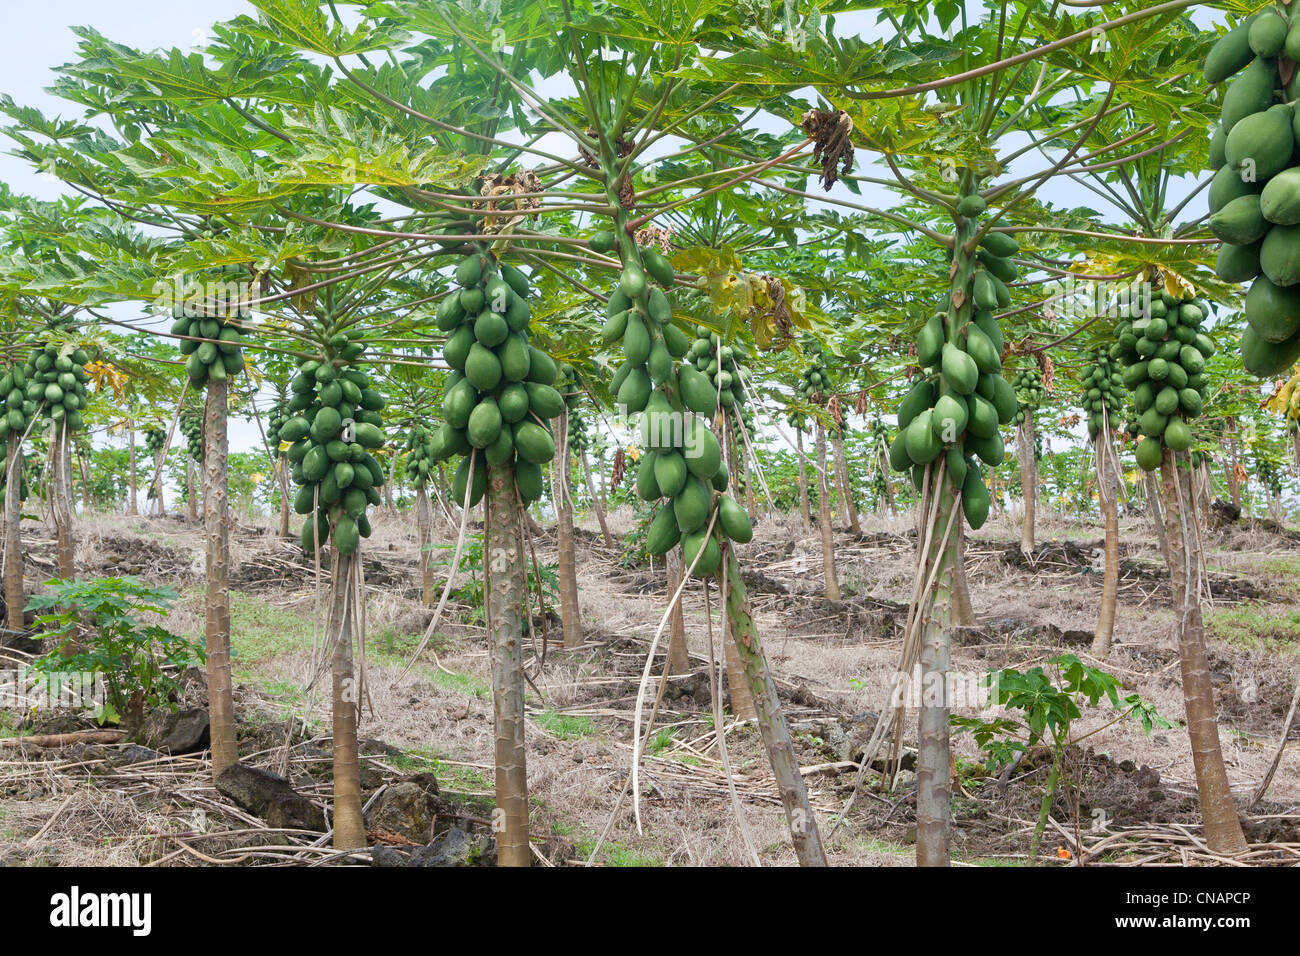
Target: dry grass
{"type": "Point", "coordinates": [581, 710]}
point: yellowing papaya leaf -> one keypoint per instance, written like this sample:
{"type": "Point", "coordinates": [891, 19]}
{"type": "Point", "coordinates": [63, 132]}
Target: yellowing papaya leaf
{"type": "Point", "coordinates": [108, 376]}
{"type": "Point", "coordinates": [1281, 400]}
{"type": "Point", "coordinates": [1178, 286]}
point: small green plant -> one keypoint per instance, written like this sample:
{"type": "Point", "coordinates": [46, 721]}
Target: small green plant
{"type": "Point", "coordinates": [634, 553]}
{"type": "Point", "coordinates": [1048, 706]}
{"type": "Point", "coordinates": [96, 625]}
{"type": "Point", "coordinates": [471, 562]}
{"type": "Point", "coordinates": [661, 741]}
{"type": "Point", "coordinates": [470, 593]}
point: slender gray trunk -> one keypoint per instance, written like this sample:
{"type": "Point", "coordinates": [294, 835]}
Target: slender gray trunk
{"type": "Point", "coordinates": [216, 524]}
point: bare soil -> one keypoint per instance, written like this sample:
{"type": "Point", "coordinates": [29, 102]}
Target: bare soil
{"type": "Point", "coordinates": [1129, 797]}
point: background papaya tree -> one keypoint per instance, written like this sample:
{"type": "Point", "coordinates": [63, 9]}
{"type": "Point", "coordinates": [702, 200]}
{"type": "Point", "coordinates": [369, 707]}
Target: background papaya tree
{"type": "Point", "coordinates": [947, 150]}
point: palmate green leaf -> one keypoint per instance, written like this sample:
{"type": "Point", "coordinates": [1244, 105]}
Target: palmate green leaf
{"type": "Point", "coordinates": [337, 149]}
{"type": "Point", "coordinates": [923, 132]}
{"type": "Point", "coordinates": [678, 22]}
{"type": "Point", "coordinates": [171, 74]}
{"type": "Point", "coordinates": [248, 246]}
{"type": "Point", "coordinates": [303, 24]}
{"type": "Point", "coordinates": [201, 177]}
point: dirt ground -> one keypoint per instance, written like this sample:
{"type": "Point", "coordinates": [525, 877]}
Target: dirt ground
{"type": "Point", "coordinates": [1129, 797]}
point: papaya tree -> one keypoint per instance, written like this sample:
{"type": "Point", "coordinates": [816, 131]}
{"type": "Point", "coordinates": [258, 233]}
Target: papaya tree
{"type": "Point", "coordinates": [952, 161]}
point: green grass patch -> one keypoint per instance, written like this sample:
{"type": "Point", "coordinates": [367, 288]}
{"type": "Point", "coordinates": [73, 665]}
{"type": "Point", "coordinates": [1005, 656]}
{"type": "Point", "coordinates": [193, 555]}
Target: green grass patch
{"type": "Point", "coordinates": [615, 854]}
{"type": "Point", "coordinates": [259, 630]}
{"type": "Point", "coordinates": [1256, 626]}
{"type": "Point", "coordinates": [1284, 565]}
{"type": "Point", "coordinates": [661, 741]}
{"type": "Point", "coordinates": [461, 683]}
{"type": "Point", "coordinates": [9, 721]}
{"type": "Point", "coordinates": [565, 726]}
{"type": "Point", "coordinates": [391, 647]}
{"type": "Point", "coordinates": [288, 694]}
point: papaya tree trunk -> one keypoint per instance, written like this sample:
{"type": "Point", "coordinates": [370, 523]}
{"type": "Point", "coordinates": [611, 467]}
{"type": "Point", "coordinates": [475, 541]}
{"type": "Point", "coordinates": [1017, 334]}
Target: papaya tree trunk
{"type": "Point", "coordinates": [679, 661]}
{"type": "Point", "coordinates": [750, 504]}
{"type": "Point", "coordinates": [1108, 501]}
{"type": "Point", "coordinates": [86, 501]}
{"type": "Point", "coordinates": [824, 508]}
{"type": "Point", "coordinates": [570, 612]}
{"type": "Point", "coordinates": [1222, 825]}
{"type": "Point", "coordinates": [1155, 511]}
{"type": "Point", "coordinates": [349, 820]}
{"type": "Point", "coordinates": [933, 812]}
{"type": "Point", "coordinates": [423, 522]}
{"type": "Point", "coordinates": [1204, 489]}
{"type": "Point", "coordinates": [507, 592]}
{"type": "Point", "coordinates": [738, 690]}
{"type": "Point", "coordinates": [963, 613]}
{"type": "Point", "coordinates": [449, 507]}
{"type": "Point", "coordinates": [191, 493]}
{"type": "Point", "coordinates": [1234, 483]}
{"type": "Point", "coordinates": [61, 501]}
{"type": "Point", "coordinates": [596, 506]}
{"type": "Point", "coordinates": [132, 480]}
{"type": "Point", "coordinates": [160, 508]}
{"type": "Point", "coordinates": [15, 599]}
{"type": "Point", "coordinates": [882, 462]}
{"type": "Point", "coordinates": [1028, 479]}
{"type": "Point", "coordinates": [804, 509]}
{"type": "Point", "coordinates": [771, 720]}
{"type": "Point", "coordinates": [216, 600]}
{"type": "Point", "coordinates": [282, 475]}
{"type": "Point", "coordinates": [389, 484]}
{"type": "Point", "coordinates": [846, 485]}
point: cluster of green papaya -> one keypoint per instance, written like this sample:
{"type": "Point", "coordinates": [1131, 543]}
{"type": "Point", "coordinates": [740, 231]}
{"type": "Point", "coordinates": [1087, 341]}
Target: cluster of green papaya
{"type": "Point", "coordinates": [18, 408]}
{"type": "Point", "coordinates": [1254, 197]}
{"type": "Point", "coordinates": [723, 365]}
{"type": "Point", "coordinates": [1269, 475]}
{"type": "Point", "coordinates": [571, 389]}
{"type": "Point", "coordinates": [154, 439]}
{"type": "Point", "coordinates": [21, 468]}
{"type": "Point", "coordinates": [961, 398]}
{"type": "Point", "coordinates": [1030, 392]}
{"type": "Point", "coordinates": [567, 384]}
{"type": "Point", "coordinates": [797, 420]}
{"type": "Point", "coordinates": [816, 377]}
{"type": "Point", "coordinates": [499, 397]}
{"type": "Point", "coordinates": [995, 267]}
{"type": "Point", "coordinates": [683, 461]}
{"type": "Point", "coordinates": [335, 431]}
{"type": "Point", "coordinates": [217, 358]}
{"type": "Point", "coordinates": [14, 418]}
{"type": "Point", "coordinates": [639, 316]}
{"type": "Point", "coordinates": [579, 437]}
{"type": "Point", "coordinates": [54, 380]}
{"type": "Point", "coordinates": [880, 438]}
{"type": "Point", "coordinates": [1164, 357]}
{"type": "Point", "coordinates": [1103, 393]}
{"type": "Point", "coordinates": [191, 425]}
{"type": "Point", "coordinates": [880, 433]}
{"type": "Point", "coordinates": [685, 466]}
{"type": "Point", "coordinates": [419, 454]}
{"type": "Point", "coordinates": [279, 414]}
